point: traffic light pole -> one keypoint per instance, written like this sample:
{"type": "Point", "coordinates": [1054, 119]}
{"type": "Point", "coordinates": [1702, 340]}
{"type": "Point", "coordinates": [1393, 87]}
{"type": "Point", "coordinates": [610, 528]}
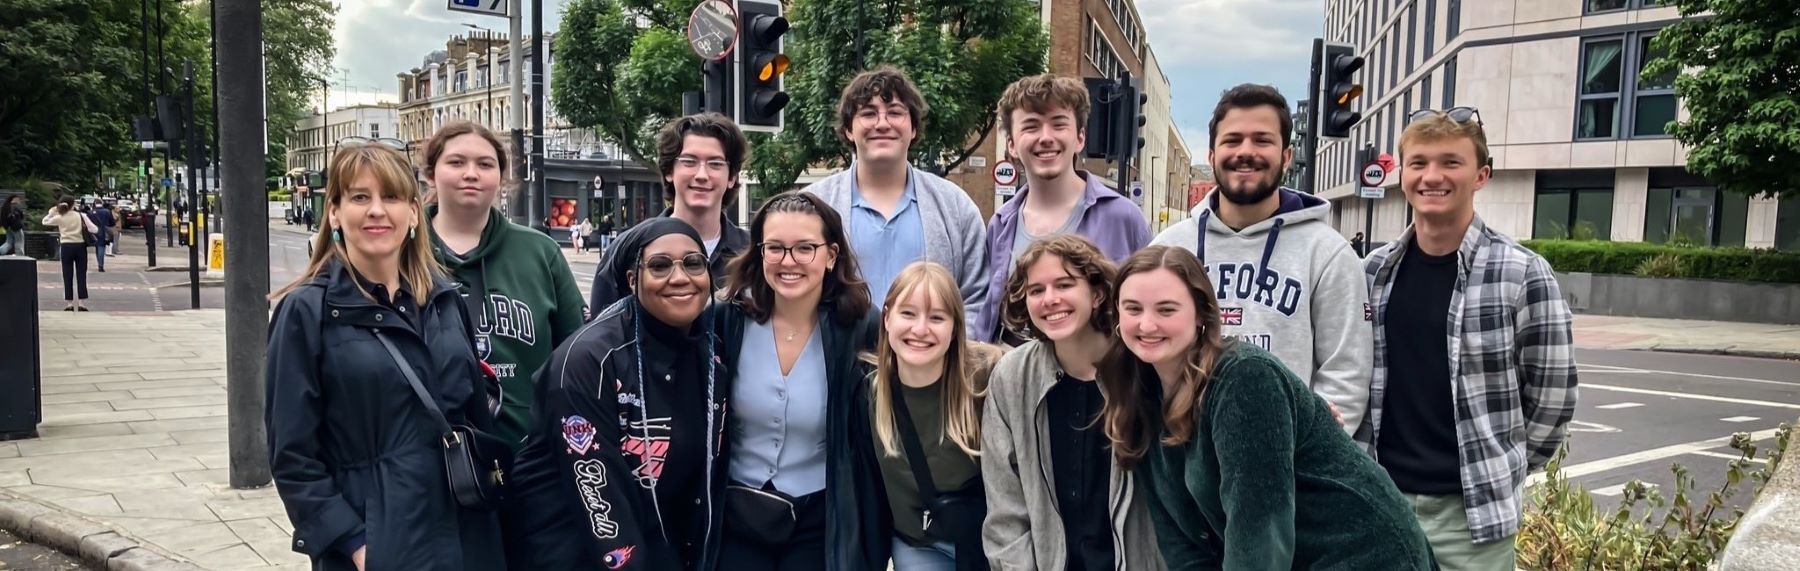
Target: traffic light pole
{"type": "Point", "coordinates": [240, 147]}
{"type": "Point", "coordinates": [539, 49]}
{"type": "Point", "coordinates": [1366, 156]}
{"type": "Point", "coordinates": [193, 153]}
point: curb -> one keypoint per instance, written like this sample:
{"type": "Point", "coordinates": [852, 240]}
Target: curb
{"type": "Point", "coordinates": [1727, 351]}
{"type": "Point", "coordinates": [93, 542]}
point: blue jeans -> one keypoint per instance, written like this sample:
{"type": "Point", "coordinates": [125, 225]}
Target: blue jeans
{"type": "Point", "coordinates": [14, 243]}
{"type": "Point", "coordinates": [100, 251]}
{"type": "Point", "coordinates": [938, 556]}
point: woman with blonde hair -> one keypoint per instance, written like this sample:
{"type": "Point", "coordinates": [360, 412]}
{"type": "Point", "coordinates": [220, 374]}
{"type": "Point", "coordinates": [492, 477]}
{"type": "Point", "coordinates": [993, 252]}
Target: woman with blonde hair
{"type": "Point", "coordinates": [1244, 467]}
{"type": "Point", "coordinates": [925, 394]}
{"type": "Point", "coordinates": [370, 358]}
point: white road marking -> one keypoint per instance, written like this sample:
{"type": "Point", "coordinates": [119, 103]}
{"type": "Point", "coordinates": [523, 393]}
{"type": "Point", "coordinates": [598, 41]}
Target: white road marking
{"type": "Point", "coordinates": [1640, 457]}
{"type": "Point", "coordinates": [1762, 403]}
{"type": "Point", "coordinates": [1582, 426]}
{"type": "Point", "coordinates": [1740, 419]}
{"type": "Point", "coordinates": [1615, 490]}
{"type": "Point", "coordinates": [1619, 405]}
{"type": "Point", "coordinates": [1610, 370]}
{"type": "Point", "coordinates": [1729, 456]}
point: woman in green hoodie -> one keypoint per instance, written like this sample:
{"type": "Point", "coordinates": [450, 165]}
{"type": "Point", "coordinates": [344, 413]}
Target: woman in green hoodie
{"type": "Point", "coordinates": [515, 280]}
{"type": "Point", "coordinates": [1245, 467]}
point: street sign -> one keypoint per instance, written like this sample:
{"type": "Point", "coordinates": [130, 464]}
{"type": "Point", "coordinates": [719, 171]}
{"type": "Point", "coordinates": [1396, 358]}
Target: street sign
{"type": "Point", "coordinates": [483, 7]}
{"type": "Point", "coordinates": [168, 182]}
{"type": "Point", "coordinates": [1005, 174]}
{"type": "Point", "coordinates": [1137, 191]}
{"type": "Point", "coordinates": [1373, 174]}
{"type": "Point", "coordinates": [1005, 189]}
{"type": "Point", "coordinates": [712, 30]}
{"type": "Point", "coordinates": [1374, 192]}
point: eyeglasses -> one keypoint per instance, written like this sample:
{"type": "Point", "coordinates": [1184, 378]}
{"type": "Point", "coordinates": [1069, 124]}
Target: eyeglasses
{"type": "Point", "coordinates": [660, 267]}
{"type": "Point", "coordinates": [1458, 114]}
{"type": "Point", "coordinates": [352, 142]}
{"type": "Point", "coordinates": [803, 253]}
{"type": "Point", "coordinates": [715, 165]}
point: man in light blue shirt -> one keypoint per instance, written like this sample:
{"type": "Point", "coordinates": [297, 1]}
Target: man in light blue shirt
{"type": "Point", "coordinates": [897, 214]}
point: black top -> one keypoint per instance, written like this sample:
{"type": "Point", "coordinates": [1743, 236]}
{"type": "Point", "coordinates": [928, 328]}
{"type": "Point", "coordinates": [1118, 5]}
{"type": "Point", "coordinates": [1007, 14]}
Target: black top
{"type": "Point", "coordinates": [669, 361]}
{"type": "Point", "coordinates": [1079, 470]}
{"type": "Point", "coordinates": [1417, 445]}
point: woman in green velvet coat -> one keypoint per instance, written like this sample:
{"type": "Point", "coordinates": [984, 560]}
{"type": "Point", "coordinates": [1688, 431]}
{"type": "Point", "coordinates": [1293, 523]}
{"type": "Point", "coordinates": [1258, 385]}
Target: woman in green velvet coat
{"type": "Point", "coordinates": [1245, 468]}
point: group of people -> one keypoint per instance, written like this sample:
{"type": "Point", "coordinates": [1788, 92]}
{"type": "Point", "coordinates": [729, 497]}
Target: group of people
{"type": "Point", "coordinates": [869, 375]}
{"type": "Point", "coordinates": [78, 228]}
{"type": "Point", "coordinates": [587, 236]}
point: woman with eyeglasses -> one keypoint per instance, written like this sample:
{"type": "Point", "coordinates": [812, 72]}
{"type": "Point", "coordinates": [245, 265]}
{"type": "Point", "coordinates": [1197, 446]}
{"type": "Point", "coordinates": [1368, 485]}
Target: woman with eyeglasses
{"type": "Point", "coordinates": [515, 280]}
{"type": "Point", "coordinates": [622, 468]}
{"type": "Point", "coordinates": [1244, 467]}
{"type": "Point", "coordinates": [805, 491]}
{"type": "Point", "coordinates": [359, 342]}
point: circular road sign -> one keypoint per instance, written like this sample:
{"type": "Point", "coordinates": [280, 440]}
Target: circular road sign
{"type": "Point", "coordinates": [1005, 174]}
{"type": "Point", "coordinates": [1373, 174]}
{"type": "Point", "coordinates": [712, 30]}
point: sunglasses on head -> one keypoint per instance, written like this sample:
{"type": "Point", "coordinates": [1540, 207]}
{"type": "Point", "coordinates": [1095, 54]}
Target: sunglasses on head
{"type": "Point", "coordinates": [1458, 114]}
{"type": "Point", "coordinates": [352, 142]}
{"type": "Point", "coordinates": [661, 266]}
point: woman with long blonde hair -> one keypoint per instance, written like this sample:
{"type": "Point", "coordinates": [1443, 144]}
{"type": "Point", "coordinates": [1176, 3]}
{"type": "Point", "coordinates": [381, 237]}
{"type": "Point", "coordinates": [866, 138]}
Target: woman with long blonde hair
{"type": "Point", "coordinates": [370, 355]}
{"type": "Point", "coordinates": [925, 394]}
{"type": "Point", "coordinates": [1243, 466]}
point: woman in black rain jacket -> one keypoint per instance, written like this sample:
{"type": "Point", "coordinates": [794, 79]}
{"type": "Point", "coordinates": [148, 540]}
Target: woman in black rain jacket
{"type": "Point", "coordinates": [355, 453]}
{"type": "Point", "coordinates": [622, 468]}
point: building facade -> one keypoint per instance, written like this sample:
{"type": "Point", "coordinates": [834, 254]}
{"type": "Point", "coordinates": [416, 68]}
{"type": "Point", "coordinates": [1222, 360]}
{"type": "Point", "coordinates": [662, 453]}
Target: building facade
{"type": "Point", "coordinates": [1578, 136]}
{"type": "Point", "coordinates": [313, 136]}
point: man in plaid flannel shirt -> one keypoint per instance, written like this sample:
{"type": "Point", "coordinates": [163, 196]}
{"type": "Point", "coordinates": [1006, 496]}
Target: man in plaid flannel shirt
{"type": "Point", "coordinates": [1463, 407]}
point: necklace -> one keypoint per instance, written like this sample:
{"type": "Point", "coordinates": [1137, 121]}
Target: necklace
{"type": "Point", "coordinates": [791, 334]}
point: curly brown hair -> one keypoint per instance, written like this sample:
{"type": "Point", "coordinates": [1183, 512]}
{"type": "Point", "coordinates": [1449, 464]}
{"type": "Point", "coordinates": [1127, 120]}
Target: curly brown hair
{"type": "Point", "coordinates": [1082, 259]}
{"type": "Point", "coordinates": [844, 291]}
{"type": "Point", "coordinates": [1123, 376]}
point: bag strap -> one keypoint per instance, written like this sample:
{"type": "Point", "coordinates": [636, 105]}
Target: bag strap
{"type": "Point", "coordinates": [413, 379]}
{"type": "Point", "coordinates": [915, 453]}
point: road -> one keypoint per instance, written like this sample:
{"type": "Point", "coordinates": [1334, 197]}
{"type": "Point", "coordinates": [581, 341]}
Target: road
{"type": "Point", "coordinates": [1640, 413]}
{"type": "Point", "coordinates": [17, 554]}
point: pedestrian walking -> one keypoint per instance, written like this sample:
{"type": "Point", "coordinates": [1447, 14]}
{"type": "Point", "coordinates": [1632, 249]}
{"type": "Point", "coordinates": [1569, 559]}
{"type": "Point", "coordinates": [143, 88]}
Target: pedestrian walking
{"type": "Point", "coordinates": [647, 491]}
{"type": "Point", "coordinates": [1475, 374]}
{"type": "Point", "coordinates": [1356, 244]}
{"type": "Point", "coordinates": [926, 385]}
{"type": "Point", "coordinates": [12, 222]}
{"type": "Point", "coordinates": [369, 359]}
{"type": "Point", "coordinates": [1045, 118]}
{"type": "Point", "coordinates": [700, 157]}
{"type": "Point", "coordinates": [606, 233]}
{"type": "Point", "coordinates": [576, 234]}
{"type": "Point", "coordinates": [74, 233]}
{"type": "Point", "coordinates": [897, 213]}
{"type": "Point", "coordinates": [517, 284]}
{"type": "Point", "coordinates": [104, 219]}
{"type": "Point", "coordinates": [804, 492]}
{"type": "Point", "coordinates": [1056, 500]}
{"type": "Point", "coordinates": [1242, 465]}
{"type": "Point", "coordinates": [1288, 282]}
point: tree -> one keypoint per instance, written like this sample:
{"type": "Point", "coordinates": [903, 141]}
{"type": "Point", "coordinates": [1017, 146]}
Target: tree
{"type": "Point", "coordinates": [70, 80]}
{"type": "Point", "coordinates": [297, 52]}
{"type": "Point", "coordinates": [1741, 90]}
{"type": "Point", "coordinates": [622, 65]}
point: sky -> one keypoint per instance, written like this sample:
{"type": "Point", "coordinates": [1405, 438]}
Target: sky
{"type": "Point", "coordinates": [1204, 46]}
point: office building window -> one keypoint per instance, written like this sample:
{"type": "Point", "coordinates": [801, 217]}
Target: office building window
{"type": "Point", "coordinates": [1393, 72]}
{"type": "Point", "coordinates": [1682, 208]}
{"type": "Point", "coordinates": [1787, 224]}
{"type": "Point", "coordinates": [1653, 105]}
{"type": "Point", "coordinates": [1602, 73]}
{"type": "Point", "coordinates": [1449, 83]}
{"type": "Point", "coordinates": [1412, 37]}
{"type": "Point", "coordinates": [1573, 205]}
{"type": "Point", "coordinates": [1614, 92]}
{"type": "Point", "coordinates": [1430, 27]}
{"type": "Point", "coordinates": [1425, 92]}
{"type": "Point", "coordinates": [1453, 24]}
{"type": "Point", "coordinates": [1597, 6]}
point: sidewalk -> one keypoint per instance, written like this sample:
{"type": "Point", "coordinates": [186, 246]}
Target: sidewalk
{"type": "Point", "coordinates": [134, 431]}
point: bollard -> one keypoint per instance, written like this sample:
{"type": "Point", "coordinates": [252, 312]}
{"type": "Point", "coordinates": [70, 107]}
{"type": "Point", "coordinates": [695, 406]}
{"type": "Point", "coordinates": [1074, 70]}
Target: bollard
{"type": "Point", "coordinates": [21, 382]}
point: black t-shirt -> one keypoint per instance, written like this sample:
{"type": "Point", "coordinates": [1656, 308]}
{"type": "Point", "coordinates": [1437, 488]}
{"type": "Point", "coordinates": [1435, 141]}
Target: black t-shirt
{"type": "Point", "coordinates": [1080, 469]}
{"type": "Point", "coordinates": [672, 359]}
{"type": "Point", "coordinates": [1418, 422]}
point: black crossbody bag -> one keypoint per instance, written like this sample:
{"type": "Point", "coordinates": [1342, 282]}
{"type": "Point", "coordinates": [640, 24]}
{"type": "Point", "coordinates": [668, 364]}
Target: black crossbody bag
{"type": "Point", "coordinates": [475, 462]}
{"type": "Point", "coordinates": [953, 518]}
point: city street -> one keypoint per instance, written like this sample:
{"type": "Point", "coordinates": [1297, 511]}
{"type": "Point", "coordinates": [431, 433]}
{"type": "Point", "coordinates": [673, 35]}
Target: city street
{"type": "Point", "coordinates": [16, 554]}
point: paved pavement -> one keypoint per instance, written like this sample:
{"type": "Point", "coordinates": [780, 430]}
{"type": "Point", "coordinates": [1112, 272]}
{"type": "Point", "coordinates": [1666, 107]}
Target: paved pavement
{"type": "Point", "coordinates": [134, 430]}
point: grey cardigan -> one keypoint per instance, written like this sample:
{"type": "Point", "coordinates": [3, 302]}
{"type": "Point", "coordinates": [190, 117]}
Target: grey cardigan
{"type": "Point", "coordinates": [1023, 529]}
{"type": "Point", "coordinates": [955, 236]}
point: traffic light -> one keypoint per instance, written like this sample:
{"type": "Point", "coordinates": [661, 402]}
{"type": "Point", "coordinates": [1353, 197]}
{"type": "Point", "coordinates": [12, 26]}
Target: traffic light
{"type": "Point", "coordinates": [1130, 109]}
{"type": "Point", "coordinates": [1338, 88]}
{"type": "Point", "coordinates": [758, 98]}
{"type": "Point", "coordinates": [1100, 138]}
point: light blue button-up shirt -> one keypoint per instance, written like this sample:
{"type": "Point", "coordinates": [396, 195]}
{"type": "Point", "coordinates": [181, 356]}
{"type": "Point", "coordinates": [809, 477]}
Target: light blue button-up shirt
{"type": "Point", "coordinates": [779, 432]}
{"type": "Point", "coordinates": [885, 245]}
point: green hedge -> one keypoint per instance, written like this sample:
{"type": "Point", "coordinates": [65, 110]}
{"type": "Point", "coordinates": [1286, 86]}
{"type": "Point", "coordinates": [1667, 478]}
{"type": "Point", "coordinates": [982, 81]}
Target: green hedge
{"type": "Point", "coordinates": [1735, 264]}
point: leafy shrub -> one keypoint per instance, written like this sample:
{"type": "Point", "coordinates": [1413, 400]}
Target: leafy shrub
{"type": "Point", "coordinates": [280, 196]}
{"type": "Point", "coordinates": [1661, 266]}
{"type": "Point", "coordinates": [1562, 530]}
{"type": "Point", "coordinates": [1624, 258]}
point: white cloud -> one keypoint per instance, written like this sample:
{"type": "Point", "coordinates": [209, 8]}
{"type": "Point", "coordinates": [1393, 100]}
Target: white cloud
{"type": "Point", "coordinates": [377, 39]}
{"type": "Point", "coordinates": [1202, 31]}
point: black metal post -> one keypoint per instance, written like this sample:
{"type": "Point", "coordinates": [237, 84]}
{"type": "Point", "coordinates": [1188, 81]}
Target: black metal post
{"type": "Point", "coordinates": [1366, 156]}
{"type": "Point", "coordinates": [212, 143]}
{"type": "Point", "coordinates": [149, 168]}
{"type": "Point", "coordinates": [247, 261]}
{"type": "Point", "coordinates": [540, 48]}
{"type": "Point", "coordinates": [193, 151]}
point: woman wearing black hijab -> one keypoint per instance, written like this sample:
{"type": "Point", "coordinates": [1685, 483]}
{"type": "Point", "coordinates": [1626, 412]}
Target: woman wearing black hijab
{"type": "Point", "coordinates": [622, 468]}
